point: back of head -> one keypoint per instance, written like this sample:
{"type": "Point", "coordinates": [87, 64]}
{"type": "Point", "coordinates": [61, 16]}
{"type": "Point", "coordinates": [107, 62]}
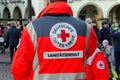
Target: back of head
{"type": "Point", "coordinates": [57, 0]}
{"type": "Point", "coordinates": [88, 20]}
{"type": "Point", "coordinates": [13, 23]}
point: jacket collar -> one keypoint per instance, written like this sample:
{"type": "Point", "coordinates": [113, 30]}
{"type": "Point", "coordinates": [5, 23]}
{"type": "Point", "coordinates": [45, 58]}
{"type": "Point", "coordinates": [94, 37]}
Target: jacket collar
{"type": "Point", "coordinates": [58, 7]}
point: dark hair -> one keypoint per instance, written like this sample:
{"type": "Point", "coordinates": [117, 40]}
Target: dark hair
{"type": "Point", "coordinates": [57, 0]}
{"type": "Point", "coordinates": [119, 25]}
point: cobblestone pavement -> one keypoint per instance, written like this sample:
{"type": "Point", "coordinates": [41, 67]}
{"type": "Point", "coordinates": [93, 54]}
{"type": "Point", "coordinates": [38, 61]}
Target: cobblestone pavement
{"type": "Point", "coordinates": [5, 66]}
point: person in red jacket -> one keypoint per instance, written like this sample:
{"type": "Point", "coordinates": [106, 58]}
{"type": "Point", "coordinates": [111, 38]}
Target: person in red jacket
{"type": "Point", "coordinates": [97, 67]}
{"type": "Point", "coordinates": [54, 46]}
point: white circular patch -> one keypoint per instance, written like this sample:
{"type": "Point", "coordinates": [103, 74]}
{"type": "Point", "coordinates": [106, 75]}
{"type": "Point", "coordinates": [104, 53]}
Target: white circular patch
{"type": "Point", "coordinates": [100, 65]}
{"type": "Point", "coordinates": [63, 35]}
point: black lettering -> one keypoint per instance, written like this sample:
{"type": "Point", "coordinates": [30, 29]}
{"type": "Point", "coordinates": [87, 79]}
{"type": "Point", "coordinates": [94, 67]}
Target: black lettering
{"type": "Point", "coordinates": [66, 45]}
{"type": "Point", "coordinates": [64, 55]}
{"type": "Point", "coordinates": [49, 55]}
{"type": "Point", "coordinates": [60, 54]}
{"type": "Point", "coordinates": [70, 42]}
{"type": "Point", "coordinates": [63, 45]}
{"type": "Point", "coordinates": [55, 30]}
{"type": "Point", "coordinates": [60, 45]}
{"type": "Point", "coordinates": [54, 40]}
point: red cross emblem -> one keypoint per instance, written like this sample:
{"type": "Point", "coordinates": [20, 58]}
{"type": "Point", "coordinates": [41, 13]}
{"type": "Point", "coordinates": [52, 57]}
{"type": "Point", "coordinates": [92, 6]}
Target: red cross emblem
{"type": "Point", "coordinates": [63, 35]}
{"type": "Point", "coordinates": [101, 65]}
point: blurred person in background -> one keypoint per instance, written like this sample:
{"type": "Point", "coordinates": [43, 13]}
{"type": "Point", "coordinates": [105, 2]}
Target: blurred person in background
{"type": "Point", "coordinates": [1, 30]}
{"type": "Point", "coordinates": [8, 25]}
{"type": "Point", "coordinates": [12, 38]}
{"type": "Point", "coordinates": [19, 26]}
{"type": "Point", "coordinates": [114, 25]}
{"type": "Point", "coordinates": [108, 52]}
{"type": "Point", "coordinates": [104, 33]}
{"type": "Point", "coordinates": [89, 21]}
{"type": "Point", "coordinates": [115, 34]}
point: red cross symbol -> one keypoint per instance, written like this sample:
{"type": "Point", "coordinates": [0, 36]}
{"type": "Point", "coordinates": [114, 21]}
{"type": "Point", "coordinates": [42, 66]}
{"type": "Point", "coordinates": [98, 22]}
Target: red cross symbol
{"type": "Point", "coordinates": [101, 65]}
{"type": "Point", "coordinates": [63, 35]}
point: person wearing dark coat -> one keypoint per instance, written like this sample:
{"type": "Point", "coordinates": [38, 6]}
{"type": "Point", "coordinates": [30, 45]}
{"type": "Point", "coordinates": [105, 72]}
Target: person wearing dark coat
{"type": "Point", "coordinates": [13, 35]}
{"type": "Point", "coordinates": [104, 33]}
{"type": "Point", "coordinates": [116, 40]}
{"type": "Point", "coordinates": [95, 29]}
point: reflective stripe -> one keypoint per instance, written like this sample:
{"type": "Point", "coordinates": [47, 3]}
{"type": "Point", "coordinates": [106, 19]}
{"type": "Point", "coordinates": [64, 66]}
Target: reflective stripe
{"type": "Point", "coordinates": [61, 76]}
{"type": "Point", "coordinates": [33, 36]}
{"type": "Point", "coordinates": [36, 67]}
{"type": "Point", "coordinates": [87, 36]}
{"type": "Point", "coordinates": [90, 59]}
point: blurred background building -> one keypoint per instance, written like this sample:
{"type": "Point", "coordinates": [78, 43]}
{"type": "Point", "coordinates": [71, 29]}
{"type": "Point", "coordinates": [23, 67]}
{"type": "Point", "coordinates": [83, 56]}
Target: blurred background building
{"type": "Point", "coordinates": [19, 9]}
{"type": "Point", "coordinates": [96, 9]}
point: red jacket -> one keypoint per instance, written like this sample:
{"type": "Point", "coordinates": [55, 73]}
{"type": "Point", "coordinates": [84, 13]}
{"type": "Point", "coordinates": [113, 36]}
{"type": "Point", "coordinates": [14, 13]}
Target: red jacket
{"type": "Point", "coordinates": [45, 53]}
{"type": "Point", "coordinates": [97, 67]}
